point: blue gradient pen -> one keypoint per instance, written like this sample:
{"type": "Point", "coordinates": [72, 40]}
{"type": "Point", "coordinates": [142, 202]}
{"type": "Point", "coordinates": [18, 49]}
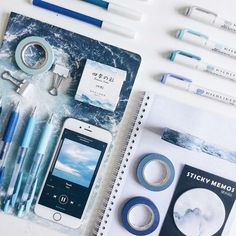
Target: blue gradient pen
{"type": "Point", "coordinates": [31, 182]}
{"type": "Point", "coordinates": [7, 139]}
{"type": "Point", "coordinates": [17, 175]}
{"type": "Point", "coordinates": [117, 9]}
{"type": "Point", "coordinates": [88, 19]}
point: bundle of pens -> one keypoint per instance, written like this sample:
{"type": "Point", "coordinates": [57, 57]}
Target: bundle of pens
{"type": "Point", "coordinates": [11, 196]}
{"type": "Point", "coordinates": [196, 62]}
{"type": "Point", "coordinates": [108, 6]}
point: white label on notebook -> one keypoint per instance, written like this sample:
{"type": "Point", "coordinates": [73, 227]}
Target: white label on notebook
{"type": "Point", "coordinates": [100, 85]}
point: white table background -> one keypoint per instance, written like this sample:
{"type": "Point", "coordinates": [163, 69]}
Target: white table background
{"type": "Point", "coordinates": [154, 39]}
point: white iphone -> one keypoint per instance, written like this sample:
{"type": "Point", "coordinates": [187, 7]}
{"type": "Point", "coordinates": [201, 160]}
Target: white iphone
{"type": "Point", "coordinates": [72, 172]}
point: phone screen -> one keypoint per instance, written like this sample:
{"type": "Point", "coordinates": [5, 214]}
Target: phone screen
{"type": "Point", "coordinates": [72, 174]}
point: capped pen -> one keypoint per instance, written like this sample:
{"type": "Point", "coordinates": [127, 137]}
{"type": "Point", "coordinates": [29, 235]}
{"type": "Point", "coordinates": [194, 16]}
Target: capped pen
{"type": "Point", "coordinates": [7, 139]}
{"type": "Point", "coordinates": [196, 62]}
{"type": "Point", "coordinates": [210, 17]}
{"type": "Point", "coordinates": [17, 174]}
{"type": "Point", "coordinates": [105, 25]}
{"type": "Point", "coordinates": [187, 84]}
{"type": "Point", "coordinates": [32, 179]}
{"type": "Point", "coordinates": [204, 41]}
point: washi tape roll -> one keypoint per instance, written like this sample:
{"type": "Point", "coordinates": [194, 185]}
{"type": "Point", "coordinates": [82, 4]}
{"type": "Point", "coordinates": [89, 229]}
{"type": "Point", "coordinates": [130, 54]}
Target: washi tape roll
{"type": "Point", "coordinates": [37, 68]}
{"type": "Point", "coordinates": [166, 168]}
{"type": "Point", "coordinates": [136, 207]}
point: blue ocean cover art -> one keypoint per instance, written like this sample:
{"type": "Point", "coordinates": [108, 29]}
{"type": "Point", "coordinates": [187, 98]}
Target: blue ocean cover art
{"type": "Point", "coordinates": [70, 50]}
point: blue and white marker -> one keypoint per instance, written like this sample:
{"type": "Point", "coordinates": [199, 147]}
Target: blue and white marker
{"type": "Point", "coordinates": [7, 139]}
{"type": "Point", "coordinates": [204, 41]}
{"type": "Point", "coordinates": [196, 62]}
{"type": "Point", "coordinates": [209, 17]}
{"type": "Point", "coordinates": [117, 9]}
{"type": "Point", "coordinates": [32, 180]}
{"type": "Point", "coordinates": [17, 175]}
{"type": "Point", "coordinates": [88, 19]}
{"type": "Point", "coordinates": [183, 83]}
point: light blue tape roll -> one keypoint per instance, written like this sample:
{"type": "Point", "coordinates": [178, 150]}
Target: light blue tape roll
{"type": "Point", "coordinates": [167, 167]}
{"type": "Point", "coordinates": [20, 53]}
{"type": "Point", "coordinates": [153, 219]}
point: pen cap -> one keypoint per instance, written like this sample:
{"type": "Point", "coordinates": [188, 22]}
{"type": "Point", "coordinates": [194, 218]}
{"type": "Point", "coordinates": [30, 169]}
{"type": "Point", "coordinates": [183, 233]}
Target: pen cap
{"type": "Point", "coordinates": [191, 36]}
{"type": "Point", "coordinates": [124, 11]}
{"type": "Point", "coordinates": [201, 14]}
{"type": "Point", "coordinates": [118, 29]}
{"type": "Point", "coordinates": [175, 81]}
{"type": "Point", "coordinates": [184, 58]}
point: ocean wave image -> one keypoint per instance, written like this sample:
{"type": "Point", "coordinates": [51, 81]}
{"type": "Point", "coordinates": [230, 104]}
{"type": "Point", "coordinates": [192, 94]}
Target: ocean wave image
{"type": "Point", "coordinates": [194, 143]}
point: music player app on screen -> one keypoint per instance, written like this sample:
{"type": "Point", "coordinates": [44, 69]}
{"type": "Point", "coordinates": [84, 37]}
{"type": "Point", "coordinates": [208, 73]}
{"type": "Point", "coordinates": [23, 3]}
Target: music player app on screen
{"type": "Point", "coordinates": [72, 174]}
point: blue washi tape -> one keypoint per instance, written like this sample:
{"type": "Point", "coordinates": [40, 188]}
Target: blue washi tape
{"type": "Point", "coordinates": [147, 227]}
{"type": "Point", "coordinates": [168, 172]}
{"type": "Point", "coordinates": [37, 68]}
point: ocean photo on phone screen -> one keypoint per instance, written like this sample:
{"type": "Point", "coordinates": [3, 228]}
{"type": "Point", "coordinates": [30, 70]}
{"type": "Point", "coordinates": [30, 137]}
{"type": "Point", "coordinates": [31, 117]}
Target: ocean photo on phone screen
{"type": "Point", "coordinates": [76, 163]}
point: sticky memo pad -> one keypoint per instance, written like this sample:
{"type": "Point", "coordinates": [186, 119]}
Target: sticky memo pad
{"type": "Point", "coordinates": [100, 85]}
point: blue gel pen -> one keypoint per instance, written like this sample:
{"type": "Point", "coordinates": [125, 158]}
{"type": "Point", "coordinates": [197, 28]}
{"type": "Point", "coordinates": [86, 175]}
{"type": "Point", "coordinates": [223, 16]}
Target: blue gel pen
{"type": "Point", "coordinates": [31, 182]}
{"type": "Point", "coordinates": [17, 175]}
{"type": "Point", "coordinates": [7, 139]}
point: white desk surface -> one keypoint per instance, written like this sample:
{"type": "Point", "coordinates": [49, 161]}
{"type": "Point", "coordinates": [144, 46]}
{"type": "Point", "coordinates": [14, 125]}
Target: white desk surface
{"type": "Point", "coordinates": [155, 38]}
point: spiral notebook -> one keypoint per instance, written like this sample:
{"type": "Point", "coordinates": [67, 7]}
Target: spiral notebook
{"type": "Point", "coordinates": [157, 121]}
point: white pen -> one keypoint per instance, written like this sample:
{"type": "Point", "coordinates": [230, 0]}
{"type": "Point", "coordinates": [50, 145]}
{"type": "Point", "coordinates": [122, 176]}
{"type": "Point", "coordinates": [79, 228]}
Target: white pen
{"type": "Point", "coordinates": [203, 40]}
{"type": "Point", "coordinates": [183, 83]}
{"type": "Point", "coordinates": [210, 17]}
{"type": "Point", "coordinates": [196, 62]}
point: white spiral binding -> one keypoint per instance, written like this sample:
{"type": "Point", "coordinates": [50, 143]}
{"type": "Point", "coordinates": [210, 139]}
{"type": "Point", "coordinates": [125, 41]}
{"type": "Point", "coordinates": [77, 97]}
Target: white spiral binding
{"type": "Point", "coordinates": [119, 171]}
